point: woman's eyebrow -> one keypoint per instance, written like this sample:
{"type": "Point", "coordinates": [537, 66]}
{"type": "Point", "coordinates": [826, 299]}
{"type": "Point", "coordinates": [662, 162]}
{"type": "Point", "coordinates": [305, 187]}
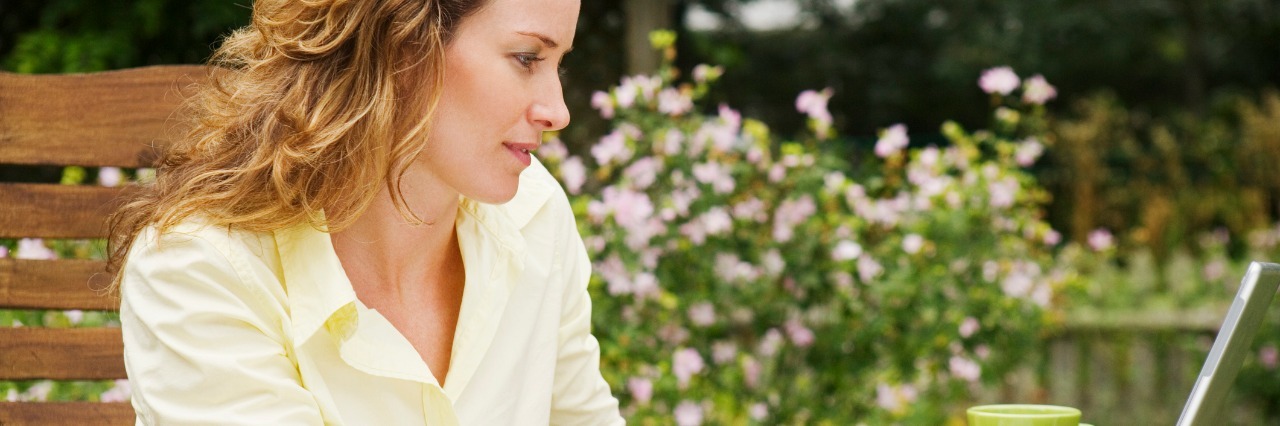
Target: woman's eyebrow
{"type": "Point", "coordinates": [547, 41]}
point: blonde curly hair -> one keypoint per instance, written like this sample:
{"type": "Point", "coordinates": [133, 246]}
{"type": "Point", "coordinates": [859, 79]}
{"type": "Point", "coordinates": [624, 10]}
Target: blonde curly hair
{"type": "Point", "coordinates": [308, 109]}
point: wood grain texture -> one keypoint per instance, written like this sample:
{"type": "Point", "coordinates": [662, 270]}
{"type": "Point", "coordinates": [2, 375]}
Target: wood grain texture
{"type": "Point", "coordinates": [55, 284]}
{"type": "Point", "coordinates": [113, 118]}
{"type": "Point", "coordinates": [61, 353]}
{"type": "Point", "coordinates": [66, 413]}
{"type": "Point", "coordinates": [55, 211]}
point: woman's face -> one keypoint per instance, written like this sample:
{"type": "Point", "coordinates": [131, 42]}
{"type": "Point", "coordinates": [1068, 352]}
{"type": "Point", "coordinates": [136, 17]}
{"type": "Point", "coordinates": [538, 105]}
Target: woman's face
{"type": "Point", "coordinates": [501, 91]}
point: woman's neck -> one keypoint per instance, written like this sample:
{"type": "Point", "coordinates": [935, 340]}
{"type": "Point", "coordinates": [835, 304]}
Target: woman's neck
{"type": "Point", "coordinates": [384, 252]}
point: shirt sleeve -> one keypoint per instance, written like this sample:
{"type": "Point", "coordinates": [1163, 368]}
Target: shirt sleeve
{"type": "Point", "coordinates": [201, 344]}
{"type": "Point", "coordinates": [581, 395]}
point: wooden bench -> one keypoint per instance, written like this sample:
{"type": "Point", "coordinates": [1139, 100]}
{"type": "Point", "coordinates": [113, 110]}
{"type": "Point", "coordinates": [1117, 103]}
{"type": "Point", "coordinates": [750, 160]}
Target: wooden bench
{"type": "Point", "coordinates": [115, 118]}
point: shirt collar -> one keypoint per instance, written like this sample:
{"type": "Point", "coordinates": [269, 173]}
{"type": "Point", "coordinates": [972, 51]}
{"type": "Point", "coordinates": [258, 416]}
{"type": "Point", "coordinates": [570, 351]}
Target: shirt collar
{"type": "Point", "coordinates": [313, 278]}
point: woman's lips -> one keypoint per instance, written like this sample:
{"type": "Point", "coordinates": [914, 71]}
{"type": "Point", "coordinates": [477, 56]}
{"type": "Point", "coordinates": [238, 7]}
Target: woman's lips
{"type": "Point", "coordinates": [521, 151]}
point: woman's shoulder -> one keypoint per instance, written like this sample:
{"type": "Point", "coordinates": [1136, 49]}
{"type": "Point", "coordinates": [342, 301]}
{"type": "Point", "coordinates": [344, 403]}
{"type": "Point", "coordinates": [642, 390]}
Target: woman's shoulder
{"type": "Point", "coordinates": [199, 233]}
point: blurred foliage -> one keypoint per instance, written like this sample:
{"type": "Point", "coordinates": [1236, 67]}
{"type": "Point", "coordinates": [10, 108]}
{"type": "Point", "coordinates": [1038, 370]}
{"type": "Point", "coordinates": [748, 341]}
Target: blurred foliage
{"type": "Point", "coordinates": [60, 36]}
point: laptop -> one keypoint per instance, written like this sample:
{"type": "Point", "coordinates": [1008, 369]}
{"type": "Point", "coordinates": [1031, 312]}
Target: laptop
{"type": "Point", "coordinates": [1247, 313]}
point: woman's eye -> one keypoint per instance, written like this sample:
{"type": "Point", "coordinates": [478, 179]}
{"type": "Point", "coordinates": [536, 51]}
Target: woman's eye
{"type": "Point", "coordinates": [528, 60]}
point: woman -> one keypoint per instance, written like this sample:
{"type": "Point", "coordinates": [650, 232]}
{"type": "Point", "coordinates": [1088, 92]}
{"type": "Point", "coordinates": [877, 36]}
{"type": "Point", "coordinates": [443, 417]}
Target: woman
{"type": "Point", "coordinates": [357, 233]}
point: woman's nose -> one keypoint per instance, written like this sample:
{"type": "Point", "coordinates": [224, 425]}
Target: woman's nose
{"type": "Point", "coordinates": [549, 113]}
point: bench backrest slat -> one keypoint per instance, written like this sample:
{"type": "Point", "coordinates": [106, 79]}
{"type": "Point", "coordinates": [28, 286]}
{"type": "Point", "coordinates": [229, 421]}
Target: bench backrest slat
{"type": "Point", "coordinates": [55, 284]}
{"type": "Point", "coordinates": [67, 413]}
{"type": "Point", "coordinates": [117, 118]}
{"type": "Point", "coordinates": [61, 353]}
{"type": "Point", "coordinates": [32, 210]}
{"type": "Point", "coordinates": [113, 118]}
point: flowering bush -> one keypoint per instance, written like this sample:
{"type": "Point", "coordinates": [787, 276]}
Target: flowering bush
{"type": "Point", "coordinates": [747, 279]}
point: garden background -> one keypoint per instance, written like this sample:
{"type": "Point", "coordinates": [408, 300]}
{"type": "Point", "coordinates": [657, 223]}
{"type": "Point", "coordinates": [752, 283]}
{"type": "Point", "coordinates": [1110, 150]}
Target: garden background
{"type": "Point", "coordinates": [837, 221]}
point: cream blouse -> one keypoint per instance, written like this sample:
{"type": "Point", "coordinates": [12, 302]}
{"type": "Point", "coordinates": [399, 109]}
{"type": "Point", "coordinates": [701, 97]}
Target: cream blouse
{"type": "Point", "coordinates": [232, 327]}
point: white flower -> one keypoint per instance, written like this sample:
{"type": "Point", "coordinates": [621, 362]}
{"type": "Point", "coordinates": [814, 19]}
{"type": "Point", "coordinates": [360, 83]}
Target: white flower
{"type": "Point", "coordinates": [892, 140]}
{"type": "Point", "coordinates": [1036, 90]}
{"type": "Point", "coordinates": [912, 243]}
{"type": "Point", "coordinates": [110, 176]}
{"type": "Point", "coordinates": [964, 368]}
{"type": "Point", "coordinates": [688, 414]}
{"type": "Point", "coordinates": [846, 250]}
{"type": "Point", "coordinates": [1028, 151]}
{"type": "Point", "coordinates": [1000, 80]}
{"type": "Point", "coordinates": [868, 268]}
{"type": "Point", "coordinates": [34, 249]}
{"type": "Point", "coordinates": [120, 392]}
{"type": "Point", "coordinates": [702, 314]}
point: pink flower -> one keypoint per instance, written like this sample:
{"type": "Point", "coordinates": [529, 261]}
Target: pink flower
{"type": "Point", "coordinates": [604, 103]}
{"type": "Point", "coordinates": [892, 140]}
{"type": "Point", "coordinates": [630, 208]}
{"type": "Point", "coordinates": [612, 148]}
{"type": "Point", "coordinates": [771, 342]}
{"type": "Point", "coordinates": [964, 368]}
{"type": "Point", "coordinates": [789, 214]}
{"type": "Point", "coordinates": [574, 174]}
{"type": "Point", "coordinates": [673, 334]}
{"type": "Point", "coordinates": [1267, 356]}
{"type": "Point", "coordinates": [34, 249]}
{"type": "Point", "coordinates": [723, 351]}
{"type": "Point", "coordinates": [758, 411]}
{"type": "Point", "coordinates": [110, 176]}
{"type": "Point", "coordinates": [1100, 239]}
{"type": "Point", "coordinates": [751, 371]}
{"type": "Point", "coordinates": [553, 150]}
{"type": "Point", "coordinates": [645, 285]}
{"type": "Point", "coordinates": [1000, 80]}
{"type": "Point", "coordinates": [1036, 90]}
{"type": "Point", "coordinates": [703, 73]}
{"type": "Point", "coordinates": [702, 314]}
{"type": "Point", "coordinates": [688, 414]}
{"type": "Point", "coordinates": [895, 398]}
{"type": "Point", "coordinates": [38, 392]}
{"type": "Point", "coordinates": [1028, 151]}
{"type": "Point", "coordinates": [643, 172]}
{"type": "Point", "coordinates": [74, 315]}
{"type": "Point", "coordinates": [4, 252]}
{"type": "Point", "coordinates": [1052, 238]}
{"type": "Point", "coordinates": [671, 142]}
{"type": "Point", "coordinates": [968, 327]}
{"type": "Point", "coordinates": [641, 389]}
{"type": "Point", "coordinates": [800, 335]}
{"type": "Point", "coordinates": [1003, 192]}
{"type": "Point", "coordinates": [716, 175]}
{"type": "Point", "coordinates": [814, 104]}
{"type": "Point", "coordinates": [684, 364]}
{"type": "Point", "coordinates": [868, 268]}
{"type": "Point", "coordinates": [673, 102]}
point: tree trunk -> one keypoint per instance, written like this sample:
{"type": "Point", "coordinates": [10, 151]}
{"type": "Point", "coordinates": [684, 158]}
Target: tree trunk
{"type": "Point", "coordinates": [644, 16]}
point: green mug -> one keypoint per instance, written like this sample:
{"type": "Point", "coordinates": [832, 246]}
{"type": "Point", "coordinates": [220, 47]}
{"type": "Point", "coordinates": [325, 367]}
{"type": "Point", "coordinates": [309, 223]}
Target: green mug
{"type": "Point", "coordinates": [1023, 415]}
